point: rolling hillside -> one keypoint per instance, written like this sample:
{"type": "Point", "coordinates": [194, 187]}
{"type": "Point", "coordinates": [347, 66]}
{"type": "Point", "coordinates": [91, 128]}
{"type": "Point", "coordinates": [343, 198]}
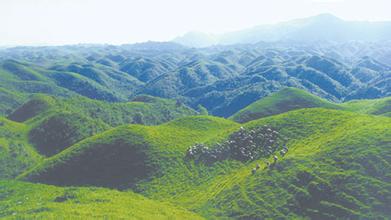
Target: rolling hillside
{"type": "Point", "coordinates": [9, 101]}
{"type": "Point", "coordinates": [283, 121]}
{"type": "Point", "coordinates": [283, 101]}
{"type": "Point", "coordinates": [59, 130]}
{"type": "Point", "coordinates": [321, 143]}
{"type": "Point", "coordinates": [113, 132]}
{"type": "Point", "coordinates": [55, 124]}
{"type": "Point", "coordinates": [45, 125]}
{"type": "Point", "coordinates": [301, 184]}
{"type": "Point", "coordinates": [25, 200]}
{"type": "Point", "coordinates": [370, 106]}
{"type": "Point", "coordinates": [291, 99]}
{"type": "Point", "coordinates": [223, 79]}
{"type": "Point", "coordinates": [16, 153]}
{"type": "Point", "coordinates": [141, 110]}
{"type": "Point", "coordinates": [336, 166]}
{"type": "Point", "coordinates": [130, 153]}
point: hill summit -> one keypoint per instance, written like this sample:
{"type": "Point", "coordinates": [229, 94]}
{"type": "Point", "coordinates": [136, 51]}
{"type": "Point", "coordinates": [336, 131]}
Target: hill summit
{"type": "Point", "coordinates": [289, 99]}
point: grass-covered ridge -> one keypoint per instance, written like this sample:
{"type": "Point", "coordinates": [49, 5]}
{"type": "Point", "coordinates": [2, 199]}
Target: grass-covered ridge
{"type": "Point", "coordinates": [9, 101]}
{"type": "Point", "coordinates": [370, 106]}
{"type": "Point", "coordinates": [38, 104]}
{"type": "Point", "coordinates": [289, 99]}
{"type": "Point", "coordinates": [57, 123]}
{"type": "Point", "coordinates": [48, 124]}
{"type": "Point", "coordinates": [329, 150]}
{"type": "Point", "coordinates": [142, 110]}
{"type": "Point", "coordinates": [36, 201]}
{"type": "Point", "coordinates": [16, 153]}
{"type": "Point", "coordinates": [336, 164]}
{"type": "Point", "coordinates": [59, 130]}
{"type": "Point", "coordinates": [123, 156]}
{"type": "Point", "coordinates": [76, 117]}
{"type": "Point", "coordinates": [223, 80]}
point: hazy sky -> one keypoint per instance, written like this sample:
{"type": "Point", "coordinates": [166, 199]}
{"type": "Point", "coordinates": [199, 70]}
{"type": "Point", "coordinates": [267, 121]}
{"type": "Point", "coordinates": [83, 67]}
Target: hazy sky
{"type": "Point", "coordinates": [35, 22]}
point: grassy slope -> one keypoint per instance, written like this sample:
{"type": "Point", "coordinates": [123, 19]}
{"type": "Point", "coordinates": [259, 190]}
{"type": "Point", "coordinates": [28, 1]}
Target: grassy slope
{"type": "Point", "coordinates": [35, 201]}
{"type": "Point", "coordinates": [53, 124]}
{"type": "Point", "coordinates": [145, 110]}
{"type": "Point", "coordinates": [151, 150]}
{"type": "Point", "coordinates": [19, 81]}
{"type": "Point", "coordinates": [56, 123]}
{"type": "Point", "coordinates": [370, 106]}
{"type": "Point", "coordinates": [283, 101]}
{"type": "Point", "coordinates": [27, 78]}
{"type": "Point", "coordinates": [38, 104]}
{"type": "Point", "coordinates": [318, 178]}
{"type": "Point", "coordinates": [345, 156]}
{"type": "Point", "coordinates": [322, 143]}
{"type": "Point", "coordinates": [16, 154]}
{"type": "Point", "coordinates": [291, 98]}
{"type": "Point", "coordinates": [59, 130]}
{"type": "Point", "coordinates": [9, 101]}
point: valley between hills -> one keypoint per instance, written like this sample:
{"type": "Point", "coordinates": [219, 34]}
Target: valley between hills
{"type": "Point", "coordinates": [276, 122]}
{"type": "Point", "coordinates": [336, 167]}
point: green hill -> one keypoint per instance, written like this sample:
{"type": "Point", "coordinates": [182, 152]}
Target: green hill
{"type": "Point", "coordinates": [36, 201]}
{"type": "Point", "coordinates": [336, 166]}
{"type": "Point", "coordinates": [59, 130]}
{"type": "Point", "coordinates": [57, 123]}
{"type": "Point", "coordinates": [16, 154]}
{"type": "Point", "coordinates": [223, 79]}
{"type": "Point", "coordinates": [142, 110]}
{"type": "Point", "coordinates": [19, 80]}
{"type": "Point", "coordinates": [65, 79]}
{"type": "Point", "coordinates": [77, 118]}
{"type": "Point", "coordinates": [35, 106]}
{"type": "Point", "coordinates": [125, 155]}
{"type": "Point", "coordinates": [9, 101]}
{"type": "Point", "coordinates": [283, 101]}
{"type": "Point", "coordinates": [291, 98]}
{"type": "Point", "coordinates": [336, 162]}
{"type": "Point", "coordinates": [370, 106]}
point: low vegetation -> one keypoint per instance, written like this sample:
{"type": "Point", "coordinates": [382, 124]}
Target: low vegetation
{"type": "Point", "coordinates": [291, 99]}
{"type": "Point", "coordinates": [293, 156]}
{"type": "Point", "coordinates": [319, 177]}
{"type": "Point", "coordinates": [16, 153]}
{"type": "Point", "coordinates": [123, 156]}
{"type": "Point", "coordinates": [36, 201]}
{"type": "Point", "coordinates": [55, 124]}
{"type": "Point", "coordinates": [142, 110]}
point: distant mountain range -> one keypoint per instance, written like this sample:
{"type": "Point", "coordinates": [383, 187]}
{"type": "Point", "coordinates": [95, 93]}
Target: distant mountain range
{"type": "Point", "coordinates": [223, 79]}
{"type": "Point", "coordinates": [329, 57]}
{"type": "Point", "coordinates": [323, 27]}
{"type": "Point", "coordinates": [293, 143]}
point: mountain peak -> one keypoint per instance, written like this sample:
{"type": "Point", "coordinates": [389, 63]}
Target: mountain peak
{"type": "Point", "coordinates": [322, 27]}
{"type": "Point", "coordinates": [326, 16]}
{"type": "Point", "coordinates": [323, 18]}
{"type": "Point", "coordinates": [196, 39]}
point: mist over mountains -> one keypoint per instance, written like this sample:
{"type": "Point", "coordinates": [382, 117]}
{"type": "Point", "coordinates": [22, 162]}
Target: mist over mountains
{"type": "Point", "coordinates": [323, 27]}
